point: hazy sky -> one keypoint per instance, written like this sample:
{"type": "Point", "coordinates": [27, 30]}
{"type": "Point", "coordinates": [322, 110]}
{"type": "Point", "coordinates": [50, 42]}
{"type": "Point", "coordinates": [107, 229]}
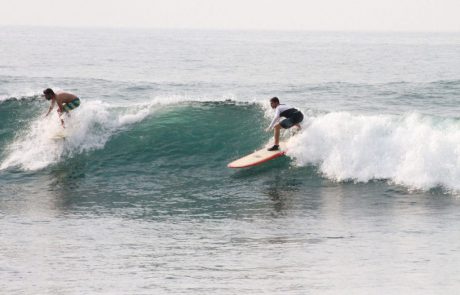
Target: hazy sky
{"type": "Point", "coordinates": [348, 15]}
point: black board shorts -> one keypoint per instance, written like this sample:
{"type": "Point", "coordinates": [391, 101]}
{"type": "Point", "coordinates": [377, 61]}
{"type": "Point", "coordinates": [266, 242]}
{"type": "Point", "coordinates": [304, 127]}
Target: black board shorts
{"type": "Point", "coordinates": [296, 118]}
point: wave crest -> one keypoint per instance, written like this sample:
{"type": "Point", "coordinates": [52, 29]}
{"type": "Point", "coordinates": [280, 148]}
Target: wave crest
{"type": "Point", "coordinates": [412, 150]}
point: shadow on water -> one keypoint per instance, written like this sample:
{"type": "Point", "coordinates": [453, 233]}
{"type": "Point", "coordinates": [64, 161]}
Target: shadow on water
{"type": "Point", "coordinates": [68, 176]}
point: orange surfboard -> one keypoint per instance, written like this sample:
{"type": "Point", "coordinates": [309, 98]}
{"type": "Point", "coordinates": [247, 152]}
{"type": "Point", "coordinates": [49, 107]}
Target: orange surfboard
{"type": "Point", "coordinates": [258, 157]}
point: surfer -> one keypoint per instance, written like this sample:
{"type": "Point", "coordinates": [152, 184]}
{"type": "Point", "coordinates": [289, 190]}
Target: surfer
{"type": "Point", "coordinates": [65, 101]}
{"type": "Point", "coordinates": [293, 118]}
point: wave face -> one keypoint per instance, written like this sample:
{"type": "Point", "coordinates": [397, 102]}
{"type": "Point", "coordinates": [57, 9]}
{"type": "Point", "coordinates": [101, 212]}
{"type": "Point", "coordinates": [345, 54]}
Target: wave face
{"type": "Point", "coordinates": [142, 132]}
{"type": "Point", "coordinates": [170, 135]}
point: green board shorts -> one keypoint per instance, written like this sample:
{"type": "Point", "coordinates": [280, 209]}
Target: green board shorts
{"type": "Point", "coordinates": [71, 105]}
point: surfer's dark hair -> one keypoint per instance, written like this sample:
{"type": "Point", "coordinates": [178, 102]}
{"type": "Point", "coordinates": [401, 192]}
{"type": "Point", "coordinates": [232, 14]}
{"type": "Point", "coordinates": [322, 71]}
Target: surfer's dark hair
{"type": "Point", "coordinates": [48, 92]}
{"type": "Point", "coordinates": [274, 99]}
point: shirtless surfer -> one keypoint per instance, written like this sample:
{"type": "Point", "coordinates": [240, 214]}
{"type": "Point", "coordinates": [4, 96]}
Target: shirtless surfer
{"type": "Point", "coordinates": [293, 118]}
{"type": "Point", "coordinates": [65, 101]}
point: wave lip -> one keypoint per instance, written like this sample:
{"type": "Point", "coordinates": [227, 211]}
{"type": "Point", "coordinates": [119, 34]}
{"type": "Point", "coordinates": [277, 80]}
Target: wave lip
{"type": "Point", "coordinates": [411, 150]}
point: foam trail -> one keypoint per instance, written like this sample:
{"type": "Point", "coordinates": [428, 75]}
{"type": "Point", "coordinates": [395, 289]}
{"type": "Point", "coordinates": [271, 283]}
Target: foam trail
{"type": "Point", "coordinates": [412, 150]}
{"type": "Point", "coordinates": [88, 128]}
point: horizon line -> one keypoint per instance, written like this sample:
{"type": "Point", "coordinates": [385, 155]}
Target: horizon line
{"type": "Point", "coordinates": [123, 27]}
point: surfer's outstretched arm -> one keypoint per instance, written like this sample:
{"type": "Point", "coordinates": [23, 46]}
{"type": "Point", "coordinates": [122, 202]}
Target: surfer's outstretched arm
{"type": "Point", "coordinates": [51, 108]}
{"type": "Point", "coordinates": [275, 119]}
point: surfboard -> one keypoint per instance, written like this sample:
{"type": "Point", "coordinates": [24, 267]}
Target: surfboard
{"type": "Point", "coordinates": [59, 135]}
{"type": "Point", "coordinates": [258, 157]}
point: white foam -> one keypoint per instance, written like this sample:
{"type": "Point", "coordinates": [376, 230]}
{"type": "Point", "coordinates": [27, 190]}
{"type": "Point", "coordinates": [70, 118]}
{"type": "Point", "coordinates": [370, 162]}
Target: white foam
{"type": "Point", "coordinates": [415, 151]}
{"type": "Point", "coordinates": [89, 127]}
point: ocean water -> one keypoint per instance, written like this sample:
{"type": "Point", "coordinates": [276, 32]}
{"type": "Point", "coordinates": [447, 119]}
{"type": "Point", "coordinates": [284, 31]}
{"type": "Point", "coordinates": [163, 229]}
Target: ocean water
{"type": "Point", "coordinates": [138, 198]}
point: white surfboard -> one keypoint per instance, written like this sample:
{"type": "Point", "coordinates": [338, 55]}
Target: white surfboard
{"type": "Point", "coordinates": [258, 157]}
{"type": "Point", "coordinates": [59, 135]}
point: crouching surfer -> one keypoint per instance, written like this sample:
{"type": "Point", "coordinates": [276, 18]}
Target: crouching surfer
{"type": "Point", "coordinates": [292, 118]}
{"type": "Point", "coordinates": [65, 101]}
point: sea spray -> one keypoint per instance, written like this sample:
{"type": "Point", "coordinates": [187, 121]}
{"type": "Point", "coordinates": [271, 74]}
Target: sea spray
{"type": "Point", "coordinates": [413, 150]}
